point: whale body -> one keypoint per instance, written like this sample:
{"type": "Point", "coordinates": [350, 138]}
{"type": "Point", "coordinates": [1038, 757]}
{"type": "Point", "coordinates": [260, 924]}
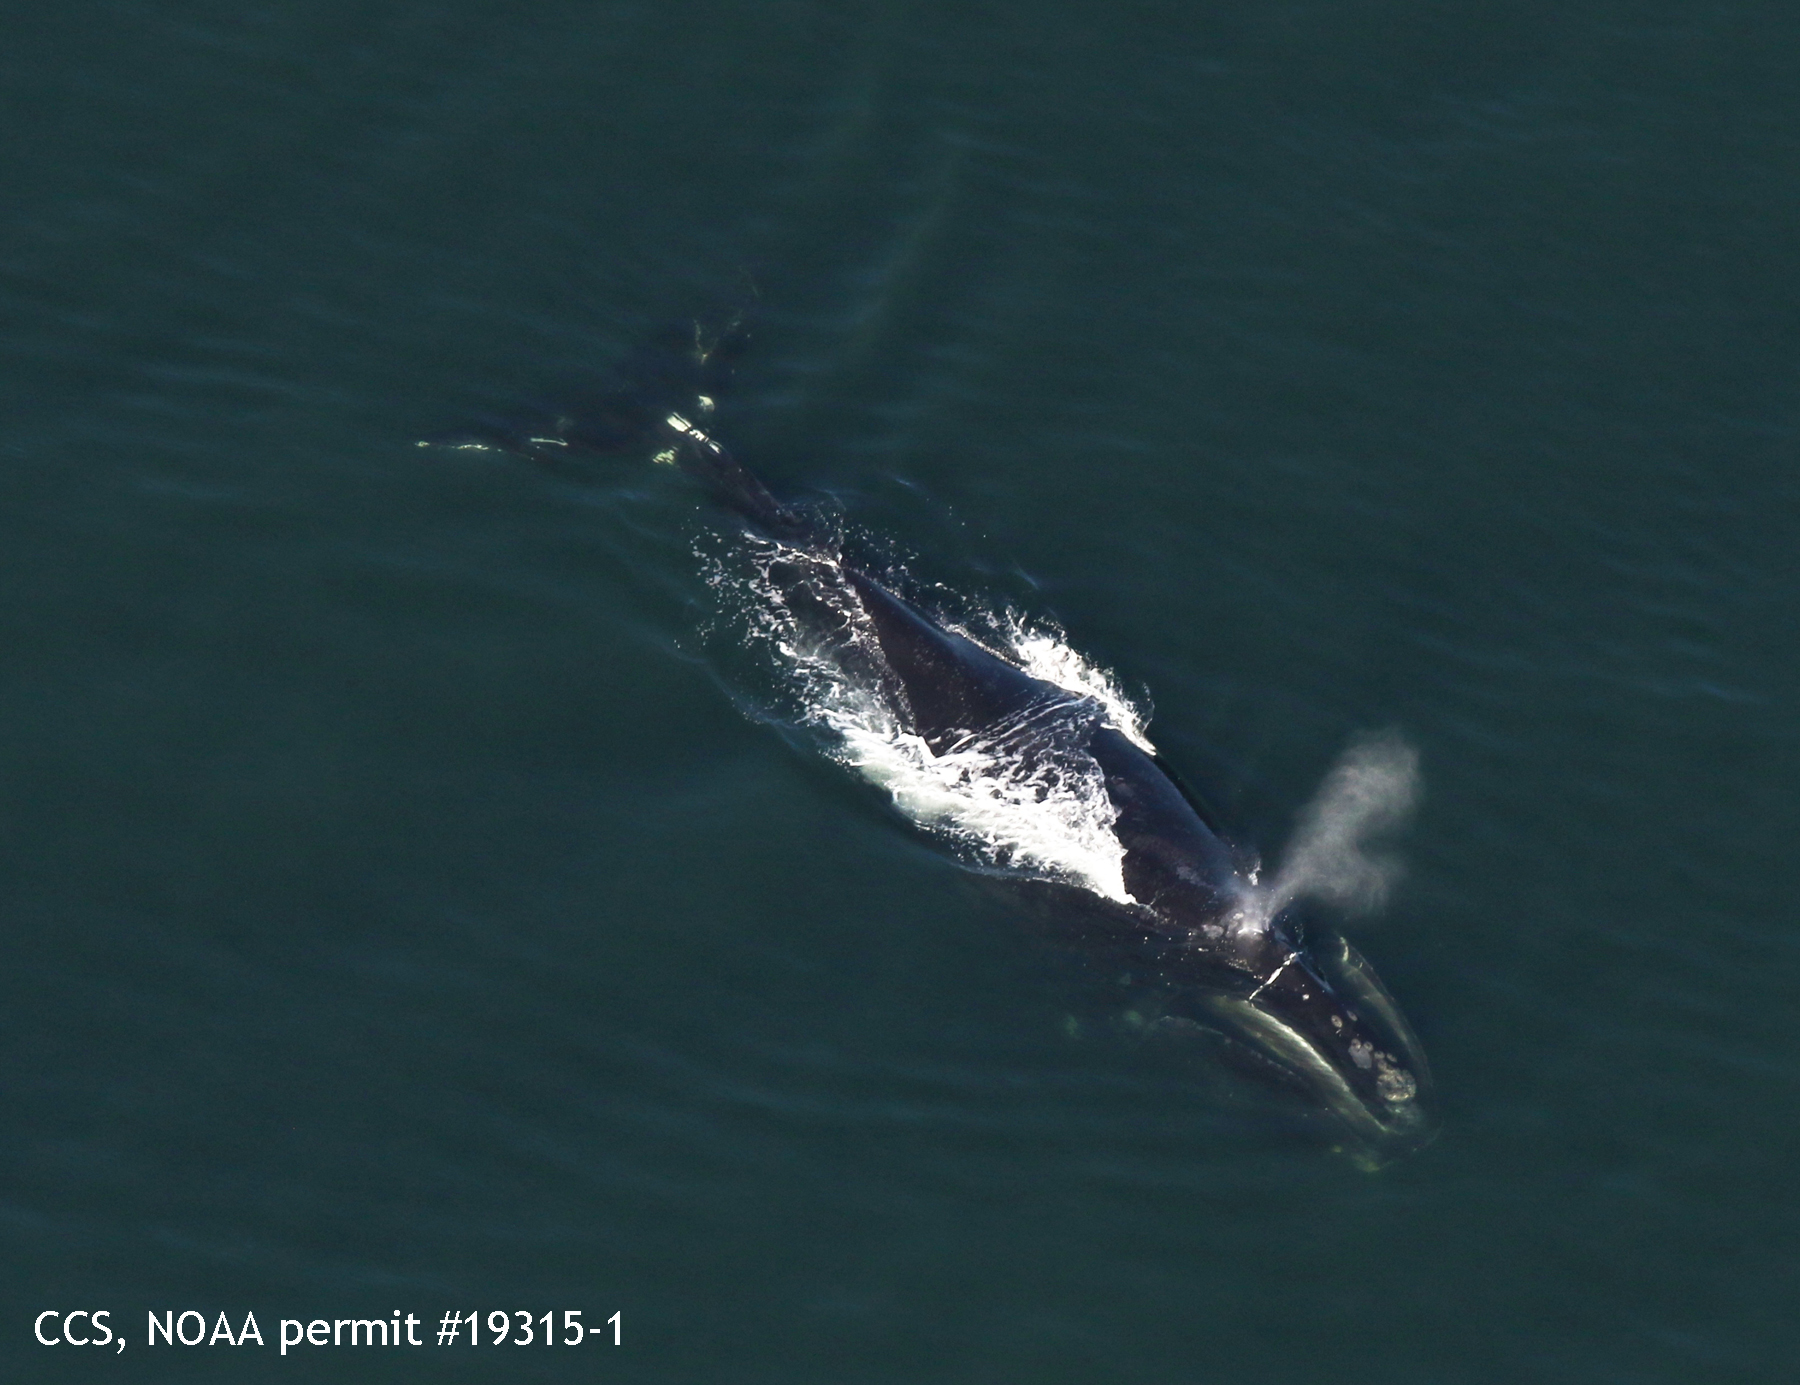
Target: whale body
{"type": "Point", "coordinates": [1183, 913]}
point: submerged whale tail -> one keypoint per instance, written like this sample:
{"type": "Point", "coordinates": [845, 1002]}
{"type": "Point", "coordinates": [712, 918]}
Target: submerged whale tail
{"type": "Point", "coordinates": [683, 370]}
{"type": "Point", "coordinates": [652, 403]}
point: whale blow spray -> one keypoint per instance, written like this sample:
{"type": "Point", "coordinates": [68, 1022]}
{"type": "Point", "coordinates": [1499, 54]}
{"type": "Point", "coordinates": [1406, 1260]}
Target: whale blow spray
{"type": "Point", "coordinates": [1369, 794]}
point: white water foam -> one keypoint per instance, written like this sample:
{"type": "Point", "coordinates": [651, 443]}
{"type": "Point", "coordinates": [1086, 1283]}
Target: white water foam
{"type": "Point", "coordinates": [1043, 651]}
{"type": "Point", "coordinates": [1046, 816]}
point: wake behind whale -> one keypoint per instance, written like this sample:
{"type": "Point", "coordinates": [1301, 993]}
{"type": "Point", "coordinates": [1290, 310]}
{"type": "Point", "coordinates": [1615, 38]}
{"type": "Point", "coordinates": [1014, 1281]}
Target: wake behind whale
{"type": "Point", "coordinates": [995, 737]}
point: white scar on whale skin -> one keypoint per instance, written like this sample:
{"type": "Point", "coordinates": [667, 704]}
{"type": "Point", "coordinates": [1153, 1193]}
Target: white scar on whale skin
{"type": "Point", "coordinates": [1370, 793]}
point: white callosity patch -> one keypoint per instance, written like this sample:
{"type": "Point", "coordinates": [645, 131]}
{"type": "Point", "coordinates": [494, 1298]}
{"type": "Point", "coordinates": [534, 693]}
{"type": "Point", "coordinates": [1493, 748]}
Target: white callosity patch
{"type": "Point", "coordinates": [1369, 793]}
{"type": "Point", "coordinates": [1025, 797]}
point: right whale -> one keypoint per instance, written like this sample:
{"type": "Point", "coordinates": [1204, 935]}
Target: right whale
{"type": "Point", "coordinates": [1179, 908]}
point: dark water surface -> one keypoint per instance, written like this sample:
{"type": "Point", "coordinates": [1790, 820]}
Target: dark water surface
{"type": "Point", "coordinates": [399, 914]}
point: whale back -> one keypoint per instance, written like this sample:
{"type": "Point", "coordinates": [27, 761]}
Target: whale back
{"type": "Point", "coordinates": [1175, 863]}
{"type": "Point", "coordinates": [953, 687]}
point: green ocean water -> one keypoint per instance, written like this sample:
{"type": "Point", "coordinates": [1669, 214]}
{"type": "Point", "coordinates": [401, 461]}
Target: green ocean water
{"type": "Point", "coordinates": [400, 911]}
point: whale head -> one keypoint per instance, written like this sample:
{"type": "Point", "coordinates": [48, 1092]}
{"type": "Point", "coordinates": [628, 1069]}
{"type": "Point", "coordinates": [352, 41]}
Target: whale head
{"type": "Point", "coordinates": [1322, 1019]}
